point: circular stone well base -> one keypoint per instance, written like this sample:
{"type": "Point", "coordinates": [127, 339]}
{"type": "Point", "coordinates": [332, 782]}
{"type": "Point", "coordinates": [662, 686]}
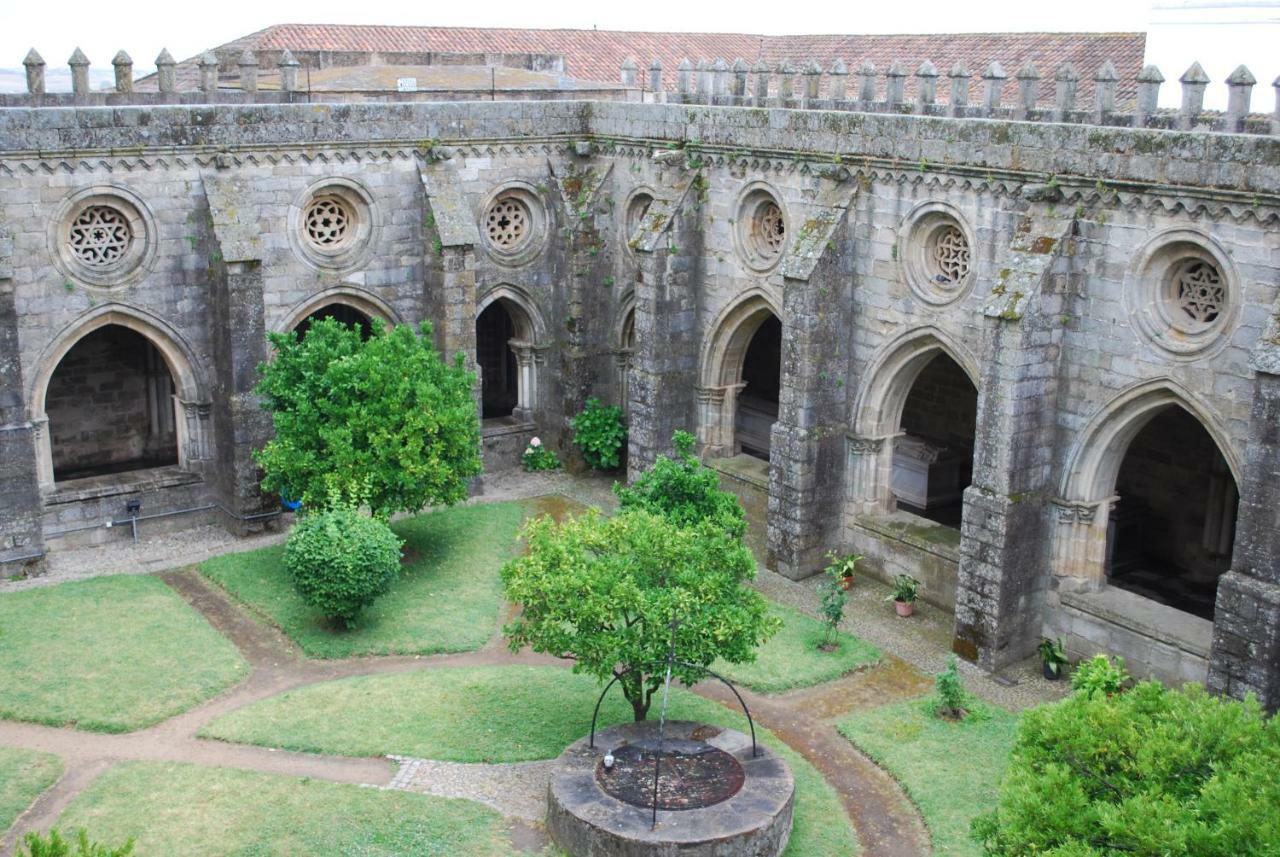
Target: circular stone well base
{"type": "Point", "coordinates": [586, 821]}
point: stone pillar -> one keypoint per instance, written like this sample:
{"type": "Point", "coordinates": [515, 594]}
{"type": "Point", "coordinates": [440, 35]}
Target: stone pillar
{"type": "Point", "coordinates": [866, 85]}
{"type": "Point", "coordinates": [684, 80]}
{"type": "Point", "coordinates": [663, 379]}
{"type": "Point", "coordinates": [1004, 578]}
{"type": "Point", "coordinates": [1149, 80]}
{"type": "Point", "coordinates": [926, 87]}
{"type": "Point", "coordinates": [248, 65]}
{"type": "Point", "coordinates": [208, 72]}
{"type": "Point", "coordinates": [761, 71]}
{"type": "Point", "coordinates": [839, 83]}
{"type": "Point", "coordinates": [786, 84]}
{"type": "Point", "coordinates": [123, 64]}
{"type": "Point", "coordinates": [166, 74]}
{"type": "Point", "coordinates": [1246, 629]}
{"type": "Point", "coordinates": [289, 66]}
{"type": "Point", "coordinates": [629, 71]}
{"type": "Point", "coordinates": [738, 87]}
{"type": "Point", "coordinates": [1194, 82]}
{"type": "Point", "coordinates": [34, 64]}
{"type": "Point", "coordinates": [1239, 92]}
{"type": "Point", "coordinates": [79, 74]}
{"type": "Point", "coordinates": [1028, 90]}
{"type": "Point", "coordinates": [241, 425]}
{"type": "Point", "coordinates": [993, 87]}
{"type": "Point", "coordinates": [655, 77]}
{"type": "Point", "coordinates": [958, 99]}
{"type": "Point", "coordinates": [21, 539]}
{"type": "Point", "coordinates": [895, 87]}
{"type": "Point", "coordinates": [1104, 92]}
{"type": "Point", "coordinates": [812, 83]}
{"type": "Point", "coordinates": [1064, 91]}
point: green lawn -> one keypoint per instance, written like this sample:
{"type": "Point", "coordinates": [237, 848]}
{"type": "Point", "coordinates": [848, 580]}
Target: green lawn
{"type": "Point", "coordinates": [791, 658]}
{"type": "Point", "coordinates": [111, 654]}
{"type": "Point", "coordinates": [951, 770]}
{"type": "Point", "coordinates": [23, 775]}
{"type": "Point", "coordinates": [447, 599]}
{"type": "Point", "coordinates": [495, 714]}
{"type": "Point", "coordinates": [176, 810]}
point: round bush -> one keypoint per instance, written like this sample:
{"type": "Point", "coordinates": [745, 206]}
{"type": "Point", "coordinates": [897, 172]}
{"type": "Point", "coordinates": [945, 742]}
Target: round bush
{"type": "Point", "coordinates": [340, 561]}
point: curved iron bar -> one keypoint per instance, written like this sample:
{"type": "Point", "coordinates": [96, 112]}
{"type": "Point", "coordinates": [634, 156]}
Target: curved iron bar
{"type": "Point", "coordinates": [755, 750]}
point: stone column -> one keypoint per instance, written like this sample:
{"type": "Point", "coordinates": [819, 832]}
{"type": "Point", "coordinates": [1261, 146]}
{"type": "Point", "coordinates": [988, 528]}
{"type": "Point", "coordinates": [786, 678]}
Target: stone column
{"type": "Point", "coordinates": [34, 65]}
{"type": "Point", "coordinates": [528, 360]}
{"type": "Point", "coordinates": [123, 65]}
{"type": "Point", "coordinates": [664, 371]}
{"type": "Point", "coordinates": [166, 72]}
{"type": "Point", "coordinates": [79, 74]}
{"type": "Point", "coordinates": [21, 539]}
{"type": "Point", "coordinates": [1003, 577]}
{"type": "Point", "coordinates": [1246, 629]}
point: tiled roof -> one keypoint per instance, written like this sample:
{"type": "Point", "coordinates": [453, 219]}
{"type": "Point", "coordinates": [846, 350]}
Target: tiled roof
{"type": "Point", "coordinates": [597, 54]}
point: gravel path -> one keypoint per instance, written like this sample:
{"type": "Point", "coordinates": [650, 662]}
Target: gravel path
{"type": "Point", "coordinates": [517, 789]}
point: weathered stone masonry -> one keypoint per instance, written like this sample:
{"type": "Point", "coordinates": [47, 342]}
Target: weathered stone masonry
{"type": "Point", "coordinates": [1064, 253]}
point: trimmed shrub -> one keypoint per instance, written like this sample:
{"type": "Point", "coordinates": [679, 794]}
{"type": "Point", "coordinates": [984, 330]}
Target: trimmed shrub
{"type": "Point", "coordinates": [1147, 773]}
{"type": "Point", "coordinates": [598, 431]}
{"type": "Point", "coordinates": [53, 845]}
{"type": "Point", "coordinates": [340, 561]}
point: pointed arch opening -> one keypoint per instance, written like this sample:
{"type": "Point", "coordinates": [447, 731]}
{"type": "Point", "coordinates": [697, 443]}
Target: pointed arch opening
{"type": "Point", "coordinates": [508, 357]}
{"type": "Point", "coordinates": [343, 313]}
{"type": "Point", "coordinates": [742, 378]}
{"type": "Point", "coordinates": [933, 453]}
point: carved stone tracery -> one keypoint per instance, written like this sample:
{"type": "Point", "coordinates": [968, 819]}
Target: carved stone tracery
{"type": "Point", "coordinates": [768, 229]}
{"type": "Point", "coordinates": [507, 223]}
{"type": "Point", "coordinates": [950, 256]}
{"type": "Point", "coordinates": [327, 222]}
{"type": "Point", "coordinates": [100, 236]}
{"type": "Point", "coordinates": [1199, 291]}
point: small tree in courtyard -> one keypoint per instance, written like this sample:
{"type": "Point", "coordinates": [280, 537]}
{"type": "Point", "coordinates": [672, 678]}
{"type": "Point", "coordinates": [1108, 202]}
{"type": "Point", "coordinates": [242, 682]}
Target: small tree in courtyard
{"type": "Point", "coordinates": [685, 491]}
{"type": "Point", "coordinates": [609, 593]}
{"type": "Point", "coordinates": [383, 421]}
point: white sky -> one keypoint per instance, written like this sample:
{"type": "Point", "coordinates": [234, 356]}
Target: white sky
{"type": "Point", "coordinates": [1219, 33]}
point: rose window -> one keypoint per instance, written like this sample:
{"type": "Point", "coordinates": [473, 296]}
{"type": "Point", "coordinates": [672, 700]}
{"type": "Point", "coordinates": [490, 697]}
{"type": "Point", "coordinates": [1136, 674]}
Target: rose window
{"type": "Point", "coordinates": [950, 256]}
{"type": "Point", "coordinates": [507, 223]}
{"type": "Point", "coordinates": [100, 236]}
{"type": "Point", "coordinates": [770, 229]}
{"type": "Point", "coordinates": [328, 222]}
{"type": "Point", "coordinates": [1198, 292]}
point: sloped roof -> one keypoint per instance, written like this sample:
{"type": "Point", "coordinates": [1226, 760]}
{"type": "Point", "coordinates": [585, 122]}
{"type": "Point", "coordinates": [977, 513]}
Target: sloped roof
{"type": "Point", "coordinates": [598, 54]}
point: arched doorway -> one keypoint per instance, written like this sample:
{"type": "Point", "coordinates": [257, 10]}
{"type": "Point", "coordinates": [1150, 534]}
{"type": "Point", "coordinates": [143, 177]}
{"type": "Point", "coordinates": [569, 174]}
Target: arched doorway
{"type": "Point", "coordinates": [933, 455]}
{"type": "Point", "coordinates": [741, 378]}
{"type": "Point", "coordinates": [1171, 531]}
{"type": "Point", "coordinates": [624, 355]}
{"type": "Point", "coordinates": [343, 313]}
{"type": "Point", "coordinates": [508, 358]}
{"type": "Point", "coordinates": [110, 406]}
{"type": "Point", "coordinates": [761, 380]}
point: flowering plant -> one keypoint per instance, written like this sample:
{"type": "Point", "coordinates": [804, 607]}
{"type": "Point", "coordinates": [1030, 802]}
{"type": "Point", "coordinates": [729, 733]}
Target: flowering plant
{"type": "Point", "coordinates": [537, 457]}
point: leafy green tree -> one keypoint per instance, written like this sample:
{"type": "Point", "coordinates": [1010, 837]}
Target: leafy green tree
{"type": "Point", "coordinates": [685, 491]}
{"type": "Point", "coordinates": [1147, 773]}
{"type": "Point", "coordinates": [340, 561]}
{"type": "Point", "coordinates": [609, 593]}
{"type": "Point", "coordinates": [383, 421]}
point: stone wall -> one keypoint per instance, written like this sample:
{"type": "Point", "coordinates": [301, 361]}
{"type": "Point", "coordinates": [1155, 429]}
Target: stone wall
{"type": "Point", "coordinates": [1061, 307]}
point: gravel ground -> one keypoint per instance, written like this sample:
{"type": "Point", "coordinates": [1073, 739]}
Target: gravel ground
{"type": "Point", "coordinates": [517, 790]}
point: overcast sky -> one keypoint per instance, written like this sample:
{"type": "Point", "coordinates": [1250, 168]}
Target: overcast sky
{"type": "Point", "coordinates": [1220, 33]}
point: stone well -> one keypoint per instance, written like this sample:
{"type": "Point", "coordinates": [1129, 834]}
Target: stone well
{"type": "Point", "coordinates": [716, 798]}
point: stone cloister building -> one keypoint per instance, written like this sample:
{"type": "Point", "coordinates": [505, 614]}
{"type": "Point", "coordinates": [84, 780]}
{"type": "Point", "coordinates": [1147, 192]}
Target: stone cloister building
{"type": "Point", "coordinates": [1027, 354]}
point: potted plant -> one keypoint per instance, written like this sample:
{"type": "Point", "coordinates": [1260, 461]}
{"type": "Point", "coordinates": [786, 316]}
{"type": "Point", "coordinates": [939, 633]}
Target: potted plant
{"type": "Point", "coordinates": [840, 568]}
{"type": "Point", "coordinates": [1053, 657]}
{"type": "Point", "coordinates": [906, 589]}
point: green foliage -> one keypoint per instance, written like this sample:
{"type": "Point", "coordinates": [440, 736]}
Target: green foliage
{"type": "Point", "coordinates": [1147, 773]}
{"type": "Point", "coordinates": [537, 457]}
{"type": "Point", "coordinates": [53, 845]}
{"type": "Point", "coordinates": [340, 561]}
{"type": "Point", "coordinates": [599, 433]}
{"type": "Point", "coordinates": [606, 592]}
{"type": "Point", "coordinates": [1053, 653]}
{"type": "Point", "coordinates": [684, 491]}
{"type": "Point", "coordinates": [905, 588]}
{"type": "Point", "coordinates": [833, 594]}
{"type": "Point", "coordinates": [384, 421]}
{"type": "Point", "coordinates": [950, 699]}
{"type": "Point", "coordinates": [1099, 676]}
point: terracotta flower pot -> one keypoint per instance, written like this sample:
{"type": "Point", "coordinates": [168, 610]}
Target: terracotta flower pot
{"type": "Point", "coordinates": [904, 608]}
{"type": "Point", "coordinates": [846, 582]}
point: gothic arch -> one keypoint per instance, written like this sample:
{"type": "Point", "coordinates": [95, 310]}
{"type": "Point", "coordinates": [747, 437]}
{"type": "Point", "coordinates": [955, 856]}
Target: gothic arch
{"type": "Point", "coordinates": [529, 323]}
{"type": "Point", "coordinates": [1087, 489]}
{"type": "Point", "coordinates": [1091, 470]}
{"type": "Point", "coordinates": [373, 307]}
{"type": "Point", "coordinates": [724, 353]}
{"type": "Point", "coordinates": [892, 372]}
{"type": "Point", "coordinates": [519, 359]}
{"type": "Point", "coordinates": [192, 405]}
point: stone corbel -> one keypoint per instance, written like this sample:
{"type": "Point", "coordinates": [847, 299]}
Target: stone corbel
{"type": "Point", "coordinates": [869, 474]}
{"type": "Point", "coordinates": [194, 430]}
